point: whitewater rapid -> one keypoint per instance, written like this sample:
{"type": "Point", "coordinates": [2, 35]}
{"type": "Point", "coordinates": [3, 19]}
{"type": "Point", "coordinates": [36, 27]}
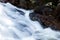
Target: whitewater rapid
{"type": "Point", "coordinates": [15, 24]}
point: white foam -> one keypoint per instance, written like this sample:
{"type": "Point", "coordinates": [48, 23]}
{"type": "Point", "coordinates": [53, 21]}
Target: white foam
{"type": "Point", "coordinates": [14, 26]}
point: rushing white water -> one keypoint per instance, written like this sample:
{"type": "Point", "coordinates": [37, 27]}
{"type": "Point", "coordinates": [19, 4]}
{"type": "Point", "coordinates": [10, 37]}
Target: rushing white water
{"type": "Point", "coordinates": [15, 24]}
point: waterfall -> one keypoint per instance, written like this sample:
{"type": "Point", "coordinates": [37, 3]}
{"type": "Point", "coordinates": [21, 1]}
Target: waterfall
{"type": "Point", "coordinates": [15, 24]}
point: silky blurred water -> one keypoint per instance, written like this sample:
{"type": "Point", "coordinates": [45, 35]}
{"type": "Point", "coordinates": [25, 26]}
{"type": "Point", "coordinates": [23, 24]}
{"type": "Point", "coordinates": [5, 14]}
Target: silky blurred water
{"type": "Point", "coordinates": [15, 24]}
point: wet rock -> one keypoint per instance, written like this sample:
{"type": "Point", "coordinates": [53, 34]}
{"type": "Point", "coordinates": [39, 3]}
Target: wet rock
{"type": "Point", "coordinates": [48, 16]}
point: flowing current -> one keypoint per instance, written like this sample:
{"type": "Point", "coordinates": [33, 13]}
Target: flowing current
{"type": "Point", "coordinates": [15, 24]}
